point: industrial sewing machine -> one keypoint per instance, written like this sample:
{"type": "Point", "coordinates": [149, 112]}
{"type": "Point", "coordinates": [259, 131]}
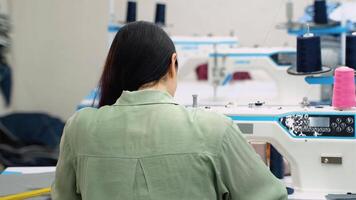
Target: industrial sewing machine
{"type": "Point", "coordinates": [318, 142]}
{"type": "Point", "coordinates": [267, 66]}
{"type": "Point", "coordinates": [195, 50]}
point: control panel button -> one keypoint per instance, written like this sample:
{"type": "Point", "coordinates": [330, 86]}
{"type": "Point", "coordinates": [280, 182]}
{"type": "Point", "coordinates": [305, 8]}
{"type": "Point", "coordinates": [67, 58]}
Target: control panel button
{"type": "Point", "coordinates": [338, 120]}
{"type": "Point", "coordinates": [338, 129]}
{"type": "Point", "coordinates": [343, 125]}
{"type": "Point", "coordinates": [349, 129]}
{"type": "Point", "coordinates": [334, 125]}
{"type": "Point", "coordinates": [349, 120]}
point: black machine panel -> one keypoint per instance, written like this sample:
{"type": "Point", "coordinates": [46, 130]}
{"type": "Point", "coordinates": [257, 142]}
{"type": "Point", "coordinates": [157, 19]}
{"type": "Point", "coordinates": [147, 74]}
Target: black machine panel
{"type": "Point", "coordinates": [305, 125]}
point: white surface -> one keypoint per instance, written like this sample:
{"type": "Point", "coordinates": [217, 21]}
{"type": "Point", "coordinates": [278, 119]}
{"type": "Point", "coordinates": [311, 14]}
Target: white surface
{"type": "Point", "coordinates": [307, 196]}
{"type": "Point", "coordinates": [242, 92]}
{"type": "Point", "coordinates": [347, 11]}
{"type": "Point", "coordinates": [30, 170]}
{"type": "Point", "coordinates": [297, 195]}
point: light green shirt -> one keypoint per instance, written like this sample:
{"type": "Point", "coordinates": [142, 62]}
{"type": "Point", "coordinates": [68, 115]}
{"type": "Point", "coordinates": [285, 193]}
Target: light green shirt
{"type": "Point", "coordinates": [147, 147]}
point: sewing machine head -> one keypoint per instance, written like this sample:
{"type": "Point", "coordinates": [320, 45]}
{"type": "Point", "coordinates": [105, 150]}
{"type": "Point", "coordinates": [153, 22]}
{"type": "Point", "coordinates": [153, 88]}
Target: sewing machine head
{"type": "Point", "coordinates": [194, 50]}
{"type": "Point", "coordinates": [267, 67]}
{"type": "Point", "coordinates": [318, 142]}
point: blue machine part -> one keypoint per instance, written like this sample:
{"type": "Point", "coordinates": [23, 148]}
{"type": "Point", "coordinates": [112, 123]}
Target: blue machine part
{"type": "Point", "coordinates": [324, 30]}
{"type": "Point", "coordinates": [227, 79]}
{"type": "Point", "coordinates": [304, 125]}
{"type": "Point", "coordinates": [113, 28]}
{"type": "Point", "coordinates": [91, 100]}
{"type": "Point", "coordinates": [321, 80]}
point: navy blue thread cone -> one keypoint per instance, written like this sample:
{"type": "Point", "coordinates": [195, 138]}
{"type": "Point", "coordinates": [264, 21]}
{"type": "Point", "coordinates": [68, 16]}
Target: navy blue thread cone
{"type": "Point", "coordinates": [308, 56]}
{"type": "Point", "coordinates": [320, 12]}
{"type": "Point", "coordinates": [160, 17]}
{"type": "Point", "coordinates": [351, 51]}
{"type": "Point", "coordinates": [131, 11]}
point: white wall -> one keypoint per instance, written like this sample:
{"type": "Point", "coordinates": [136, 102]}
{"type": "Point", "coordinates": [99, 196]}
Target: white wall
{"type": "Point", "coordinates": [58, 50]}
{"type": "Point", "coordinates": [59, 46]}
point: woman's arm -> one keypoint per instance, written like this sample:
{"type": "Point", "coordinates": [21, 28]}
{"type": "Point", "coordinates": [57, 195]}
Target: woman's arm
{"type": "Point", "coordinates": [64, 186]}
{"type": "Point", "coordinates": [243, 173]}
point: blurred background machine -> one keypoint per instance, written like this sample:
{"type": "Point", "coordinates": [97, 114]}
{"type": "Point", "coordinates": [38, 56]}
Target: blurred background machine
{"type": "Point", "coordinates": [245, 75]}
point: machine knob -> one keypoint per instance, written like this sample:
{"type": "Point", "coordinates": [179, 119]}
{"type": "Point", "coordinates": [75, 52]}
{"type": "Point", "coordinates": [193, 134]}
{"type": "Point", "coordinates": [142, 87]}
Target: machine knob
{"type": "Point", "coordinates": [258, 103]}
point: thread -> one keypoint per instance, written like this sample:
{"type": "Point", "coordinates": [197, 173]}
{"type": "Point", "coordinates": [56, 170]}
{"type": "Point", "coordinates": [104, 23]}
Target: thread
{"type": "Point", "coordinates": [276, 163]}
{"type": "Point", "coordinates": [308, 54]}
{"type": "Point", "coordinates": [131, 11]}
{"type": "Point", "coordinates": [344, 88]}
{"type": "Point", "coordinates": [351, 51]}
{"type": "Point", "coordinates": [320, 12]}
{"type": "Point", "coordinates": [160, 17]}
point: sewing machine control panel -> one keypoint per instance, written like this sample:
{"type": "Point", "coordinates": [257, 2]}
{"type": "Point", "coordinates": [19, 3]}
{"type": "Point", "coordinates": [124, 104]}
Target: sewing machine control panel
{"type": "Point", "coordinates": [305, 125]}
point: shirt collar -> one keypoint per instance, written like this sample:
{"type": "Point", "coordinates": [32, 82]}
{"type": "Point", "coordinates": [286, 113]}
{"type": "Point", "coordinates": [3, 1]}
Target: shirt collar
{"type": "Point", "coordinates": [144, 97]}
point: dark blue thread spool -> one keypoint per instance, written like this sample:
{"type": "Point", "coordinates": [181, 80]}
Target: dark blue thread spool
{"type": "Point", "coordinates": [131, 11]}
{"type": "Point", "coordinates": [276, 163]}
{"type": "Point", "coordinates": [308, 54]}
{"type": "Point", "coordinates": [160, 17]}
{"type": "Point", "coordinates": [320, 12]}
{"type": "Point", "coordinates": [351, 51]}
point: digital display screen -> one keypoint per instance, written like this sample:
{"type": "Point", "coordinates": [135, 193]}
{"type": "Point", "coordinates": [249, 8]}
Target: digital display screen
{"type": "Point", "coordinates": [319, 121]}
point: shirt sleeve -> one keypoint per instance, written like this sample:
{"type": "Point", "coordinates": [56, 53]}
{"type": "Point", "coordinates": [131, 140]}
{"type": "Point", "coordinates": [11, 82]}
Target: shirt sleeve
{"type": "Point", "coordinates": [243, 173]}
{"type": "Point", "coordinates": [64, 186]}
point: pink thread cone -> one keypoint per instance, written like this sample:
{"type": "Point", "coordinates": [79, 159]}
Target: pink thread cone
{"type": "Point", "coordinates": [344, 88]}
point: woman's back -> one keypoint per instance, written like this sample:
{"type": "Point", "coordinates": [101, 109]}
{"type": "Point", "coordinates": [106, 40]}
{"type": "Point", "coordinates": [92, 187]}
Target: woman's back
{"type": "Point", "coordinates": [146, 146]}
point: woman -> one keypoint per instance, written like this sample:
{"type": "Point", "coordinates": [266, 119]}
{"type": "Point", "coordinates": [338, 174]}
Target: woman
{"type": "Point", "coordinates": [140, 144]}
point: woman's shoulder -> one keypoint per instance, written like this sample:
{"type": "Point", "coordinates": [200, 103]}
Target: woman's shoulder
{"type": "Point", "coordinates": [204, 116]}
{"type": "Point", "coordinates": [211, 123]}
{"type": "Point", "coordinates": [81, 118]}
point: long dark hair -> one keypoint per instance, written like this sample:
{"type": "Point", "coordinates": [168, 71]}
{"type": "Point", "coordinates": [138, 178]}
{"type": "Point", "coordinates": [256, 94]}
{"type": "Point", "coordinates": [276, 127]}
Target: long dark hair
{"type": "Point", "coordinates": [140, 53]}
